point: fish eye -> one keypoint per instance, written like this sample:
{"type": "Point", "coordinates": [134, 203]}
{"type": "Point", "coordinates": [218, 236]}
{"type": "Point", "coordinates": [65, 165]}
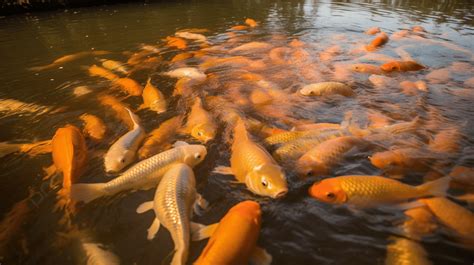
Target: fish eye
{"type": "Point", "coordinates": [309, 173]}
{"type": "Point", "coordinates": [264, 182]}
{"type": "Point", "coordinates": [393, 67]}
{"type": "Point", "coordinates": [200, 133]}
{"type": "Point", "coordinates": [122, 160]}
{"type": "Point", "coordinates": [197, 156]}
{"type": "Point", "coordinates": [330, 195]}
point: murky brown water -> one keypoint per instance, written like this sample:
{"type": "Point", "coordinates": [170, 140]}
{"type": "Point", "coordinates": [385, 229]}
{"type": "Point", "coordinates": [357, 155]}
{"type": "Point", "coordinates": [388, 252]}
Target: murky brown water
{"type": "Point", "coordinates": [296, 229]}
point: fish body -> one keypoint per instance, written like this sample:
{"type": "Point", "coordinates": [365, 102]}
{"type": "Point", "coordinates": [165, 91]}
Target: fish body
{"type": "Point", "coordinates": [366, 68]}
{"type": "Point", "coordinates": [159, 139]}
{"type": "Point", "coordinates": [31, 149]}
{"type": "Point", "coordinates": [408, 158]}
{"type": "Point", "coordinates": [153, 98]}
{"type": "Point", "coordinates": [16, 106]}
{"type": "Point", "coordinates": [323, 157]}
{"type": "Point", "coordinates": [251, 47]}
{"type": "Point", "coordinates": [189, 72]}
{"type": "Point", "coordinates": [253, 165]}
{"type": "Point", "coordinates": [327, 88]}
{"type": "Point", "coordinates": [69, 153]}
{"type": "Point", "coordinates": [191, 36]}
{"type": "Point", "coordinates": [94, 127]}
{"type": "Point", "coordinates": [401, 66]}
{"type": "Point", "coordinates": [119, 108]}
{"type": "Point", "coordinates": [173, 205]}
{"type": "Point", "coordinates": [97, 254]}
{"type": "Point", "coordinates": [403, 251]}
{"type": "Point", "coordinates": [115, 66]}
{"type": "Point", "coordinates": [129, 86]}
{"type": "Point", "coordinates": [68, 58]}
{"type": "Point", "coordinates": [452, 215]}
{"type": "Point", "coordinates": [144, 174]}
{"type": "Point", "coordinates": [371, 191]}
{"type": "Point", "coordinates": [446, 141]}
{"type": "Point", "coordinates": [239, 27]}
{"type": "Point", "coordinates": [235, 237]}
{"type": "Point", "coordinates": [175, 42]}
{"type": "Point", "coordinates": [251, 23]}
{"type": "Point", "coordinates": [420, 222]}
{"type": "Point", "coordinates": [379, 41]}
{"type": "Point", "coordinates": [295, 149]}
{"type": "Point", "coordinates": [372, 31]}
{"type": "Point", "coordinates": [123, 151]}
{"type": "Point", "coordinates": [200, 123]}
{"type": "Point", "coordinates": [95, 70]}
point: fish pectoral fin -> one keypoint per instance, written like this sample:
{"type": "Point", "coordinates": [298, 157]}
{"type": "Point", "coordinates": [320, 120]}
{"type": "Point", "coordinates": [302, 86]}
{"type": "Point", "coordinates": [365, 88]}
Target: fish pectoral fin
{"type": "Point", "coordinates": [153, 229]}
{"type": "Point", "coordinates": [260, 256]}
{"type": "Point", "coordinates": [180, 143]}
{"type": "Point", "coordinates": [49, 171]}
{"type": "Point", "coordinates": [200, 205]}
{"type": "Point", "coordinates": [145, 207]}
{"type": "Point", "coordinates": [200, 232]}
{"type": "Point", "coordinates": [223, 170]}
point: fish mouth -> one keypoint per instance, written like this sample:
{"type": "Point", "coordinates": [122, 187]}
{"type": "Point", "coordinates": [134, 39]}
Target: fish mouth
{"type": "Point", "coordinates": [281, 194]}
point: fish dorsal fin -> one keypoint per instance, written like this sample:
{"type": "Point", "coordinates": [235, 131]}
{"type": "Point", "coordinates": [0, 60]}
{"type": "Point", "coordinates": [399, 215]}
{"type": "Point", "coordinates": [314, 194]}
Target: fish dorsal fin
{"type": "Point", "coordinates": [260, 256]}
{"type": "Point", "coordinates": [134, 118]}
{"type": "Point", "coordinates": [200, 232]}
{"type": "Point", "coordinates": [180, 143]}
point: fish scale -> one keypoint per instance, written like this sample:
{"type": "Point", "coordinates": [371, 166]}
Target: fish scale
{"type": "Point", "coordinates": [363, 189]}
{"type": "Point", "coordinates": [174, 199]}
{"type": "Point", "coordinates": [147, 171]}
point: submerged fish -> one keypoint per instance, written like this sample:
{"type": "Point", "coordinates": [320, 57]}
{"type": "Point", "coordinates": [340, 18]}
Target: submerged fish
{"type": "Point", "coordinates": [191, 36]}
{"type": "Point", "coordinates": [371, 191]}
{"type": "Point", "coordinates": [173, 205]}
{"type": "Point", "coordinates": [129, 86]}
{"type": "Point", "coordinates": [251, 47]}
{"type": "Point", "coordinates": [95, 70]}
{"type": "Point", "coordinates": [11, 225]}
{"type": "Point", "coordinates": [175, 42]}
{"type": "Point", "coordinates": [69, 152]}
{"type": "Point", "coordinates": [97, 254]}
{"type": "Point", "coordinates": [234, 239]}
{"type": "Point", "coordinates": [94, 127]}
{"type": "Point", "coordinates": [412, 159]}
{"type": "Point", "coordinates": [327, 88]}
{"type": "Point", "coordinates": [252, 23]}
{"type": "Point", "coordinates": [200, 123]}
{"type": "Point", "coordinates": [145, 174]}
{"type": "Point", "coordinates": [68, 58]}
{"type": "Point", "coordinates": [253, 165]}
{"type": "Point", "coordinates": [420, 222]}
{"type": "Point", "coordinates": [119, 108]}
{"type": "Point", "coordinates": [124, 150]}
{"type": "Point", "coordinates": [189, 72]}
{"type": "Point", "coordinates": [366, 68]}
{"type": "Point", "coordinates": [31, 149]}
{"type": "Point", "coordinates": [453, 216]}
{"type": "Point", "coordinates": [153, 98]}
{"type": "Point", "coordinates": [323, 157]}
{"type": "Point", "coordinates": [372, 31]}
{"type": "Point", "coordinates": [379, 41]}
{"type": "Point", "coordinates": [401, 66]}
{"type": "Point", "coordinates": [13, 106]}
{"type": "Point", "coordinates": [115, 66]}
{"type": "Point", "coordinates": [403, 251]}
{"type": "Point", "coordinates": [160, 139]}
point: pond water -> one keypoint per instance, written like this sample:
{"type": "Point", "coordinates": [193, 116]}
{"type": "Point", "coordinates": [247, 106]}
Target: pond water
{"type": "Point", "coordinates": [296, 229]}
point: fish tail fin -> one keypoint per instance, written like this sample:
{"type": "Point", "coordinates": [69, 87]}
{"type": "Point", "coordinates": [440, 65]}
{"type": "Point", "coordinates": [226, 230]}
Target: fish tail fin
{"type": "Point", "coordinates": [87, 192]}
{"type": "Point", "coordinates": [8, 148]}
{"type": "Point", "coordinates": [240, 131]}
{"type": "Point", "coordinates": [134, 118]}
{"type": "Point", "coordinates": [436, 187]}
